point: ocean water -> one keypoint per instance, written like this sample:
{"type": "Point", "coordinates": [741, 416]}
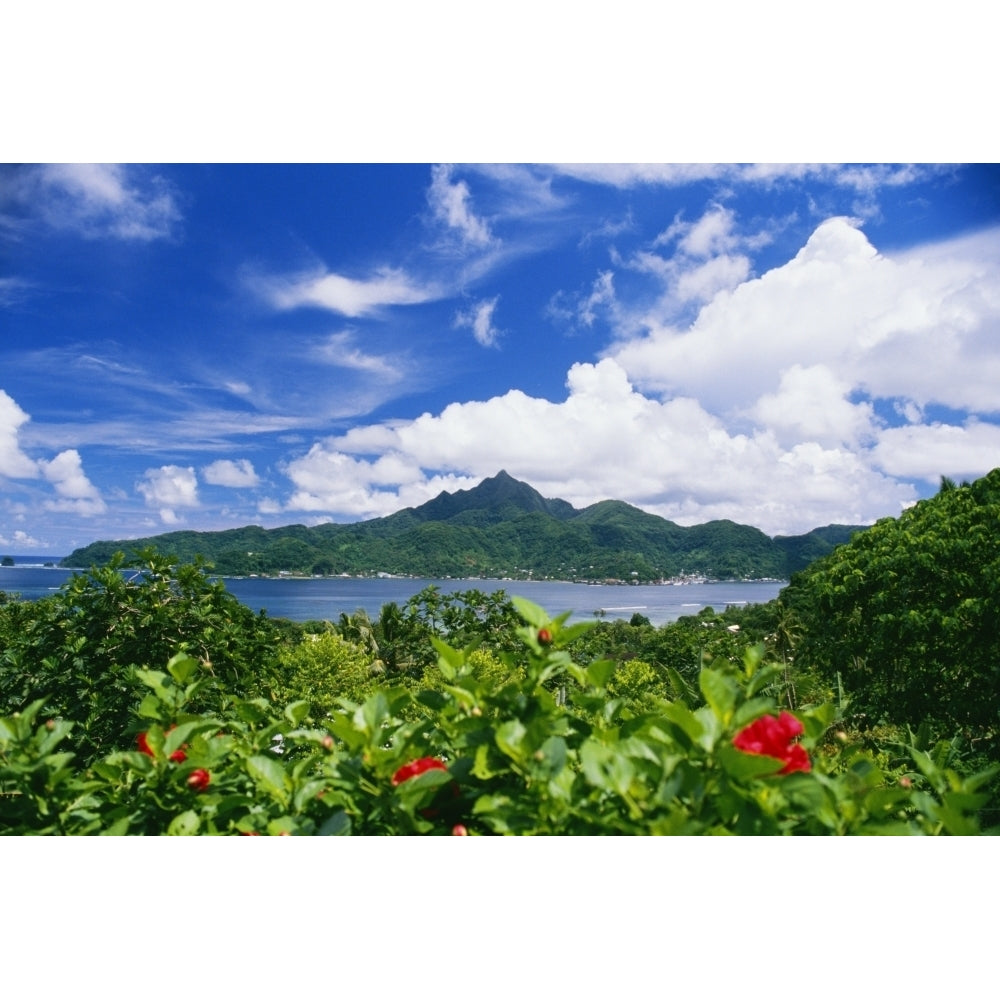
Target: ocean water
{"type": "Point", "coordinates": [327, 598]}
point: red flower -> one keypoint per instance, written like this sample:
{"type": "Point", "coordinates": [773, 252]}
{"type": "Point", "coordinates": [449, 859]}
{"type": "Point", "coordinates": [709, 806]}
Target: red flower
{"type": "Point", "coordinates": [544, 637]}
{"type": "Point", "coordinates": [198, 779]}
{"type": "Point", "coordinates": [772, 736]}
{"type": "Point", "coordinates": [416, 767]}
{"type": "Point", "coordinates": [178, 757]}
{"type": "Point", "coordinates": [143, 745]}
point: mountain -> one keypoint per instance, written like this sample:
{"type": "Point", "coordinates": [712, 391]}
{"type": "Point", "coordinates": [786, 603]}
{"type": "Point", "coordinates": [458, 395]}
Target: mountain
{"type": "Point", "coordinates": [498, 529]}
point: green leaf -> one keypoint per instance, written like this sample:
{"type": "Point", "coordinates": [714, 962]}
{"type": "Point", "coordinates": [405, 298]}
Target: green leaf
{"type": "Point", "coordinates": [606, 768]}
{"type": "Point", "coordinates": [683, 717]}
{"type": "Point", "coordinates": [599, 672]}
{"type": "Point", "coordinates": [149, 708]}
{"type": "Point", "coordinates": [296, 712]}
{"type": "Point", "coordinates": [337, 825]}
{"type": "Point", "coordinates": [719, 692]}
{"type": "Point", "coordinates": [763, 677]}
{"type": "Point", "coordinates": [481, 768]}
{"type": "Point", "coordinates": [509, 738]}
{"type": "Point", "coordinates": [530, 612]}
{"type": "Point", "coordinates": [448, 656]}
{"type": "Point", "coordinates": [551, 756]}
{"type": "Point", "coordinates": [269, 775]}
{"type": "Point", "coordinates": [742, 765]}
{"type": "Point", "coordinates": [184, 825]}
{"type": "Point", "coordinates": [372, 714]}
{"type": "Point", "coordinates": [182, 667]}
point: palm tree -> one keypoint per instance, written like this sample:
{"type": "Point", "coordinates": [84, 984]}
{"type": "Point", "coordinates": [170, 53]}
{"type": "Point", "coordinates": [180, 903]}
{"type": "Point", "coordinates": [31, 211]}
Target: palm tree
{"type": "Point", "coordinates": [359, 629]}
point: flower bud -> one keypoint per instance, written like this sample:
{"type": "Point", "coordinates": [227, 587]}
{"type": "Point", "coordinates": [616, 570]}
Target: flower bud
{"type": "Point", "coordinates": [459, 831]}
{"type": "Point", "coordinates": [198, 780]}
{"type": "Point", "coordinates": [544, 637]}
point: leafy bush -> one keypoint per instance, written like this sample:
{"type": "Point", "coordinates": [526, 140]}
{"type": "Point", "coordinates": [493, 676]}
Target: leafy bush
{"type": "Point", "coordinates": [906, 613]}
{"type": "Point", "coordinates": [543, 749]}
{"type": "Point", "coordinates": [78, 650]}
{"type": "Point", "coordinates": [322, 669]}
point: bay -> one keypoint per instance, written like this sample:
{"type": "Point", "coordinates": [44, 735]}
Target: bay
{"type": "Point", "coordinates": [326, 598]}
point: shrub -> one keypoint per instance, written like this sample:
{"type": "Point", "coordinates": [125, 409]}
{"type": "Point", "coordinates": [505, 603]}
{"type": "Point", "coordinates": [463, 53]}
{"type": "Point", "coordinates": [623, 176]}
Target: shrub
{"type": "Point", "coordinates": [542, 750]}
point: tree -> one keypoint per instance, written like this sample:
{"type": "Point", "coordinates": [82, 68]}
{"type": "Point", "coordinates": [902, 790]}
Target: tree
{"type": "Point", "coordinates": [79, 649]}
{"type": "Point", "coordinates": [907, 612]}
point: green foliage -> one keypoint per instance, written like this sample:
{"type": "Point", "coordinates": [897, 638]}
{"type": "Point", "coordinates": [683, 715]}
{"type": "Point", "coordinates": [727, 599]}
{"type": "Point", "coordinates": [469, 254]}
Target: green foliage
{"type": "Point", "coordinates": [322, 669]}
{"type": "Point", "coordinates": [524, 741]}
{"type": "Point", "coordinates": [502, 528]}
{"type": "Point", "coordinates": [906, 614]}
{"type": "Point", "coordinates": [78, 650]}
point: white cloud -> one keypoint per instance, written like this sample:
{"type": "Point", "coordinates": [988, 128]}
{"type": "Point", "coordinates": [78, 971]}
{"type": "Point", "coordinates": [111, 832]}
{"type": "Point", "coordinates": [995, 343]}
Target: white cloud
{"type": "Point", "coordinates": [602, 296]}
{"type": "Point", "coordinates": [77, 494]}
{"type": "Point", "coordinates": [708, 255]}
{"type": "Point", "coordinates": [101, 200]}
{"type": "Point", "coordinates": [348, 296]}
{"type": "Point", "coordinates": [930, 451]}
{"type": "Point", "coordinates": [450, 203]}
{"type": "Point", "coordinates": [340, 351]}
{"type": "Point", "coordinates": [811, 405]}
{"type": "Point", "coordinates": [479, 319]}
{"type": "Point", "coordinates": [168, 487]}
{"type": "Point", "coordinates": [13, 461]}
{"type": "Point", "coordinates": [861, 178]}
{"type": "Point", "coordinates": [605, 440]}
{"type": "Point", "coordinates": [20, 540]}
{"type": "Point", "coordinates": [917, 326]}
{"type": "Point", "coordinates": [225, 472]}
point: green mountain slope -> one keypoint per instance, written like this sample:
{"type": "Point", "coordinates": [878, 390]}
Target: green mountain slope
{"type": "Point", "coordinates": [500, 528]}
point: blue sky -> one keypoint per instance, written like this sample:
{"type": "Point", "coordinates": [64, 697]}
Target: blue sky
{"type": "Point", "coordinates": [210, 346]}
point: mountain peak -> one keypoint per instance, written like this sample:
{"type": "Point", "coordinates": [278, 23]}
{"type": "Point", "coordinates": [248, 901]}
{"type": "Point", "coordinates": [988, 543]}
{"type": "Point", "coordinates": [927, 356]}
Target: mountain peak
{"type": "Point", "coordinates": [495, 498]}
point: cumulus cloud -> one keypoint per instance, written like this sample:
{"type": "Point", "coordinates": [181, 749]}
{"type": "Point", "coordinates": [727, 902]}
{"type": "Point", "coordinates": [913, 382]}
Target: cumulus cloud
{"type": "Point", "coordinates": [168, 487]}
{"type": "Point", "coordinates": [930, 451]}
{"type": "Point", "coordinates": [450, 201]}
{"type": "Point", "coordinates": [605, 440]}
{"type": "Point", "coordinates": [811, 405]}
{"type": "Point", "coordinates": [352, 297]}
{"type": "Point", "coordinates": [99, 200]}
{"type": "Point", "coordinates": [76, 493]}
{"type": "Point", "coordinates": [20, 540]}
{"type": "Point", "coordinates": [479, 319]}
{"type": "Point", "coordinates": [225, 472]}
{"type": "Point", "coordinates": [914, 327]}
{"type": "Point", "coordinates": [14, 463]}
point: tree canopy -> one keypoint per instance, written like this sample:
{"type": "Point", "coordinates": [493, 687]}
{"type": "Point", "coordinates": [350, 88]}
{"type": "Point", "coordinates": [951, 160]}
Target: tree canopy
{"type": "Point", "coordinates": [908, 613]}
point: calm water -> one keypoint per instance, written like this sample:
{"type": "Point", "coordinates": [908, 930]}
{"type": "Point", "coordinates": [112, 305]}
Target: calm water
{"type": "Point", "coordinates": [326, 599]}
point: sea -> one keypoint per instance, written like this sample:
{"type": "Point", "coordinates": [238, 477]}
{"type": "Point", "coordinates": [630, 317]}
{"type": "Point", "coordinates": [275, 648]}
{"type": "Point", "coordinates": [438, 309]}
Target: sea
{"type": "Point", "coordinates": [326, 598]}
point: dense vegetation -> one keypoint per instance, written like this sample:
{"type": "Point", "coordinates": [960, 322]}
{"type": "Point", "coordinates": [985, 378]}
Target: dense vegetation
{"type": "Point", "coordinates": [501, 529]}
{"type": "Point", "coordinates": [149, 701]}
{"type": "Point", "coordinates": [908, 613]}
